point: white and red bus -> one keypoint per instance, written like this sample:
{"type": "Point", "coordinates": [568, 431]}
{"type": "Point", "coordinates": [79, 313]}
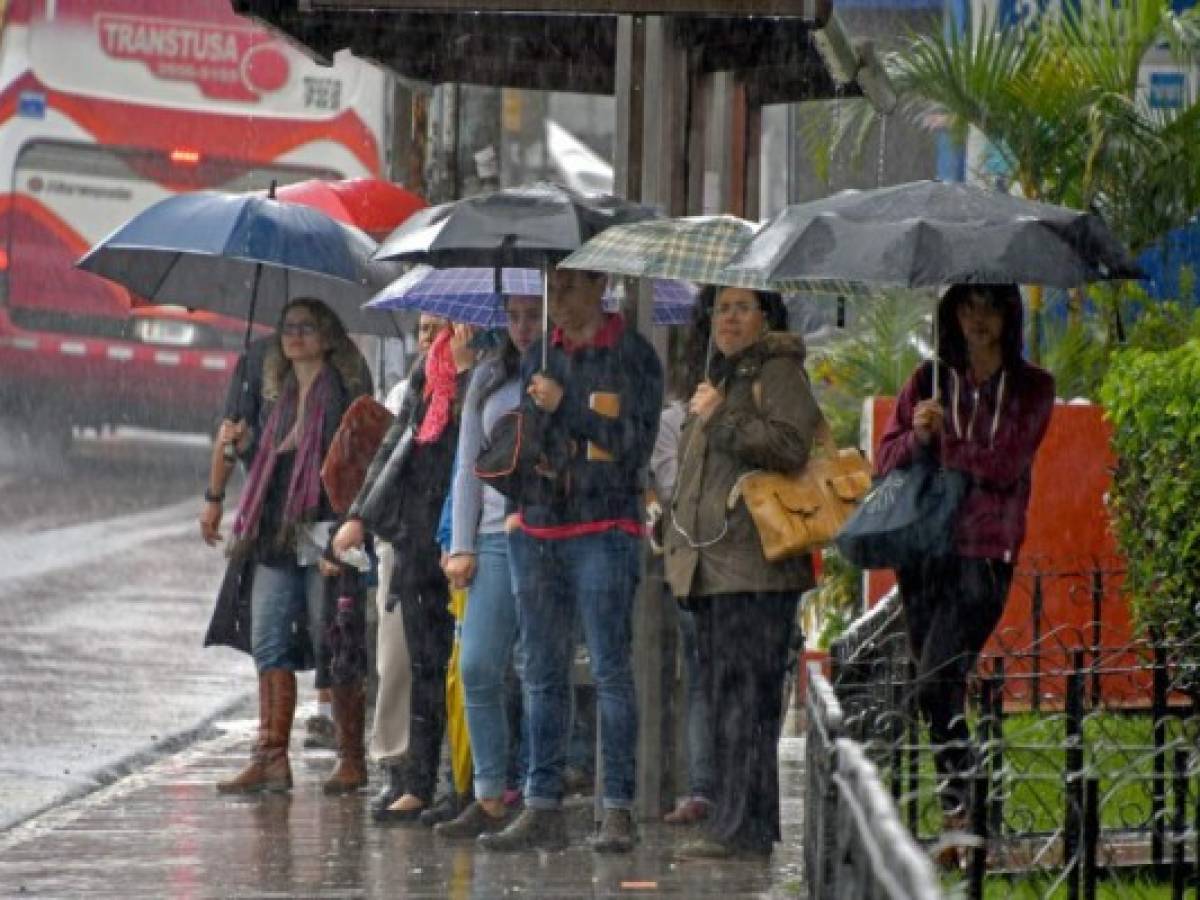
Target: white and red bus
{"type": "Point", "coordinates": [107, 106]}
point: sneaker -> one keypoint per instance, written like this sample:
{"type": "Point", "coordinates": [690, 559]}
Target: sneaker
{"type": "Point", "coordinates": [319, 733]}
{"type": "Point", "coordinates": [689, 812]}
{"type": "Point", "coordinates": [445, 808]}
{"type": "Point", "coordinates": [617, 832]}
{"type": "Point", "coordinates": [533, 829]}
{"type": "Point", "coordinates": [472, 822]}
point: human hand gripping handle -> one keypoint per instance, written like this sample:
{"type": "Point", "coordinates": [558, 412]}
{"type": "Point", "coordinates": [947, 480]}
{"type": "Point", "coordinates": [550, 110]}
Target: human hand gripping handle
{"type": "Point", "coordinates": [705, 401]}
{"type": "Point", "coordinates": [928, 418]}
{"type": "Point", "coordinates": [545, 392]}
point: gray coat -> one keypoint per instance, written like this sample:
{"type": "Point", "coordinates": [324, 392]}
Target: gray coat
{"type": "Point", "coordinates": [773, 433]}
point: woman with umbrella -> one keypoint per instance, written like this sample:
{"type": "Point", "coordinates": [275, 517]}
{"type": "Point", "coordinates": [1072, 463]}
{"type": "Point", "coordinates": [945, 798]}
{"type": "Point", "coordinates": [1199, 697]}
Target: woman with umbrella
{"type": "Point", "coordinates": [311, 374]}
{"type": "Point", "coordinates": [479, 561]}
{"type": "Point", "coordinates": [986, 416]}
{"type": "Point", "coordinates": [754, 410]}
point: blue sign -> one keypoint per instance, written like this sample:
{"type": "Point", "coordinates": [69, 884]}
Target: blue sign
{"type": "Point", "coordinates": [1166, 90]}
{"type": "Point", "coordinates": [32, 105]}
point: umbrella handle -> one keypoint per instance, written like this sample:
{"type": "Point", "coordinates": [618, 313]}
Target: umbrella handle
{"type": "Point", "coordinates": [545, 314]}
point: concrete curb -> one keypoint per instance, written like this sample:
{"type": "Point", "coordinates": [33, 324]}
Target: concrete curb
{"type": "Point", "coordinates": [132, 763]}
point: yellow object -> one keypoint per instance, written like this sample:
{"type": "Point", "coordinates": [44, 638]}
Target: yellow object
{"type": "Point", "coordinates": [456, 702]}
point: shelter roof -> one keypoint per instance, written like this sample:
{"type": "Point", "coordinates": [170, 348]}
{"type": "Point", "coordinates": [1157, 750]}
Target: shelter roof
{"type": "Point", "coordinates": [547, 45]}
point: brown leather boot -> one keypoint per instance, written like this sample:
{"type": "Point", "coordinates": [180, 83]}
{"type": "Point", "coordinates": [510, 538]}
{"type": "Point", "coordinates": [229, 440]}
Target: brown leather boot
{"type": "Point", "coordinates": [349, 713]}
{"type": "Point", "coordinates": [269, 770]}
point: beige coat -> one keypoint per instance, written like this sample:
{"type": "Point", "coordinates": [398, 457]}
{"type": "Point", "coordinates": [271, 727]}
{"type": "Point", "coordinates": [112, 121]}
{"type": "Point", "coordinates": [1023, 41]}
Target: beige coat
{"type": "Point", "coordinates": [743, 434]}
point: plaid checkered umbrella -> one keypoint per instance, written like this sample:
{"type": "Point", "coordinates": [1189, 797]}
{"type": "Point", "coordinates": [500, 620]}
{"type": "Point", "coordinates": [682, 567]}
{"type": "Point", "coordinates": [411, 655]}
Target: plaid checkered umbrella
{"type": "Point", "coordinates": [692, 248]}
{"type": "Point", "coordinates": [469, 295]}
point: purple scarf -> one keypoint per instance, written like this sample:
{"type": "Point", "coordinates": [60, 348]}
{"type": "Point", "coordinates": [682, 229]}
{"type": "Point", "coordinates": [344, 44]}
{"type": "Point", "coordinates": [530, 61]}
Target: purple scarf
{"type": "Point", "coordinates": [304, 490]}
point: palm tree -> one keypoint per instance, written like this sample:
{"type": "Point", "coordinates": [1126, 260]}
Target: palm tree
{"type": "Point", "coordinates": [1059, 102]}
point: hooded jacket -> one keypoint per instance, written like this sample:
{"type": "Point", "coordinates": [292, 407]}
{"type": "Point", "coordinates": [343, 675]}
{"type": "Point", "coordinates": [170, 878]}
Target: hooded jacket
{"type": "Point", "coordinates": [991, 432]}
{"type": "Point", "coordinates": [742, 434]}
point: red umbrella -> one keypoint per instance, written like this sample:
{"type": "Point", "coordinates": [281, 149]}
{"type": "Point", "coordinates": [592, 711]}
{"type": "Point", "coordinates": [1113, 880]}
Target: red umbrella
{"type": "Point", "coordinates": [374, 205]}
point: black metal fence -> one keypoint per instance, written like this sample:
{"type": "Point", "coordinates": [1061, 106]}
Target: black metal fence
{"type": "Point", "coordinates": [1086, 780]}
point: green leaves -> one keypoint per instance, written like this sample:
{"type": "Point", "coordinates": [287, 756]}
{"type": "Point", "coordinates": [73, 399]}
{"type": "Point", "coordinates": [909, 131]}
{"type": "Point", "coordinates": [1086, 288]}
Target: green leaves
{"type": "Point", "coordinates": [1153, 401]}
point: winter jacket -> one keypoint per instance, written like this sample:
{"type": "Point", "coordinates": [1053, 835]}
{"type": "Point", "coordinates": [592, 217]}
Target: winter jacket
{"type": "Point", "coordinates": [991, 431]}
{"type": "Point", "coordinates": [603, 455]}
{"type": "Point", "coordinates": [774, 433]}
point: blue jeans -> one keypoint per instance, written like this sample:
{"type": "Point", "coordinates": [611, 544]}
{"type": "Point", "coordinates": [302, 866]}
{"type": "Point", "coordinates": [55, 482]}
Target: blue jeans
{"type": "Point", "coordinates": [698, 716]}
{"type": "Point", "coordinates": [489, 635]}
{"type": "Point", "coordinates": [591, 578]}
{"type": "Point", "coordinates": [283, 598]}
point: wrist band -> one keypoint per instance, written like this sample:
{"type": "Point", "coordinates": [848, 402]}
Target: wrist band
{"type": "Point", "coordinates": [210, 497]}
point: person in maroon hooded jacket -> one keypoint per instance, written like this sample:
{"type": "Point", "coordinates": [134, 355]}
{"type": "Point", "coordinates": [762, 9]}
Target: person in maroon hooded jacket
{"type": "Point", "coordinates": [988, 418]}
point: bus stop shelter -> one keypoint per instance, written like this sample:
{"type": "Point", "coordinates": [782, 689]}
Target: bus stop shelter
{"type": "Point", "coordinates": [668, 64]}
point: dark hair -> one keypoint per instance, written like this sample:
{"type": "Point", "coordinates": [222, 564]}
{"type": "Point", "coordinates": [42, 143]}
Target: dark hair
{"type": "Point", "coordinates": [696, 353]}
{"type": "Point", "coordinates": [507, 360]}
{"type": "Point", "coordinates": [952, 346]}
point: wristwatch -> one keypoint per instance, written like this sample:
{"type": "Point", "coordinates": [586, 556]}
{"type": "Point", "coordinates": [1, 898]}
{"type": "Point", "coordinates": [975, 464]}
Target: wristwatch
{"type": "Point", "coordinates": [210, 497]}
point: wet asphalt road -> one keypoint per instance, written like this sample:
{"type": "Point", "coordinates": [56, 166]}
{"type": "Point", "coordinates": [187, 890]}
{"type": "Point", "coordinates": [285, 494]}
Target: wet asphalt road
{"type": "Point", "coordinates": [105, 589]}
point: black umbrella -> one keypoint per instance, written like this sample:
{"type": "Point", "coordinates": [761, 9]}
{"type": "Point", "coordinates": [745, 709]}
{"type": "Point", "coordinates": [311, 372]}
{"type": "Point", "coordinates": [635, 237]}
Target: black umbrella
{"type": "Point", "coordinates": [928, 233]}
{"type": "Point", "coordinates": [523, 227]}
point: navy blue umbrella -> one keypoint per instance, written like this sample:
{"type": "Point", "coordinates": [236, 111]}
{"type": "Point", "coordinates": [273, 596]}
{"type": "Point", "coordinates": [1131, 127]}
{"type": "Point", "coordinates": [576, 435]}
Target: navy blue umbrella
{"type": "Point", "coordinates": [243, 255]}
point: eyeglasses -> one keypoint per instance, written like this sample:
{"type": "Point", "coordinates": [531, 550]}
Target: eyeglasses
{"type": "Point", "coordinates": [740, 309]}
{"type": "Point", "coordinates": [299, 329]}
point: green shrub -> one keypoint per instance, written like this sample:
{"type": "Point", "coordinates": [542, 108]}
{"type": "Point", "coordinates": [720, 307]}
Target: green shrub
{"type": "Point", "coordinates": [1153, 401]}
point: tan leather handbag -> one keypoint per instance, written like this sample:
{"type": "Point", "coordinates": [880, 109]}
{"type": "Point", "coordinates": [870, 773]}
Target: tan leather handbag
{"type": "Point", "coordinates": [798, 513]}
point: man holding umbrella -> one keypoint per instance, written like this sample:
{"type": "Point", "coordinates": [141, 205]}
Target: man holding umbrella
{"type": "Point", "coordinates": [575, 551]}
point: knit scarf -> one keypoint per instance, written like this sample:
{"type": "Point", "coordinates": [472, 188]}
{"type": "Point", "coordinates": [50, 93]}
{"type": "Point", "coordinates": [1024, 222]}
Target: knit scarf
{"type": "Point", "coordinates": [441, 381]}
{"type": "Point", "coordinates": [304, 488]}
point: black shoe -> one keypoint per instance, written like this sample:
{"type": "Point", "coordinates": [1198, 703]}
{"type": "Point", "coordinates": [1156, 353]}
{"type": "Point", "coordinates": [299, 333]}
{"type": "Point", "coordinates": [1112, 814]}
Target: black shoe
{"type": "Point", "coordinates": [472, 822]}
{"type": "Point", "coordinates": [533, 829]}
{"type": "Point", "coordinates": [392, 790]}
{"type": "Point", "coordinates": [617, 832]}
{"type": "Point", "coordinates": [444, 808]}
{"type": "Point", "coordinates": [389, 816]}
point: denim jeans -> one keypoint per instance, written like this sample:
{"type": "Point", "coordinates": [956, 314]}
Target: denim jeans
{"type": "Point", "coordinates": [489, 635]}
{"type": "Point", "coordinates": [591, 578]}
{"type": "Point", "coordinates": [697, 714]}
{"type": "Point", "coordinates": [283, 598]}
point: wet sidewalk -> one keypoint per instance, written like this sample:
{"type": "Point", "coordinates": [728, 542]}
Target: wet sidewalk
{"type": "Point", "coordinates": [165, 832]}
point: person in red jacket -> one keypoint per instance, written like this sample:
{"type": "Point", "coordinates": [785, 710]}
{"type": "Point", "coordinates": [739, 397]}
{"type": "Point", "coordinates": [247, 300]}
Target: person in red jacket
{"type": "Point", "coordinates": [987, 419]}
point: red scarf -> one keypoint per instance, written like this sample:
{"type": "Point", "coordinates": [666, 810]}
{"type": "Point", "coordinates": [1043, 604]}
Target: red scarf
{"type": "Point", "coordinates": [441, 382]}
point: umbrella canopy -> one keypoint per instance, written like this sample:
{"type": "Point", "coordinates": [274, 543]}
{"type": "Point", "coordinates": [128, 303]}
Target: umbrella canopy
{"type": "Point", "coordinates": [469, 295]}
{"type": "Point", "coordinates": [516, 227]}
{"type": "Point", "coordinates": [243, 255]}
{"type": "Point", "coordinates": [693, 248]}
{"type": "Point", "coordinates": [376, 206]}
{"type": "Point", "coordinates": [928, 233]}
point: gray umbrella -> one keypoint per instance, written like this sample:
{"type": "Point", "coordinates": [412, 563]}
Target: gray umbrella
{"type": "Point", "coordinates": [928, 233]}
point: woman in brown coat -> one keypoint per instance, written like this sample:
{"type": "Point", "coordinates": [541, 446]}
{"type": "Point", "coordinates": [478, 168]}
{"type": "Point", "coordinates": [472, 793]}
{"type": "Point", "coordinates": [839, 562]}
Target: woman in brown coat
{"type": "Point", "coordinates": [754, 410]}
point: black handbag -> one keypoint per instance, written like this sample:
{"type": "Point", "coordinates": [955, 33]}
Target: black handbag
{"type": "Point", "coordinates": [515, 461]}
{"type": "Point", "coordinates": [907, 517]}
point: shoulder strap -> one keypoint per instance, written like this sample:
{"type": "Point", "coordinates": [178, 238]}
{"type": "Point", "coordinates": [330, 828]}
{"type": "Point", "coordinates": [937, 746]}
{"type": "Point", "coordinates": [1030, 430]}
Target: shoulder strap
{"type": "Point", "coordinates": [822, 437]}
